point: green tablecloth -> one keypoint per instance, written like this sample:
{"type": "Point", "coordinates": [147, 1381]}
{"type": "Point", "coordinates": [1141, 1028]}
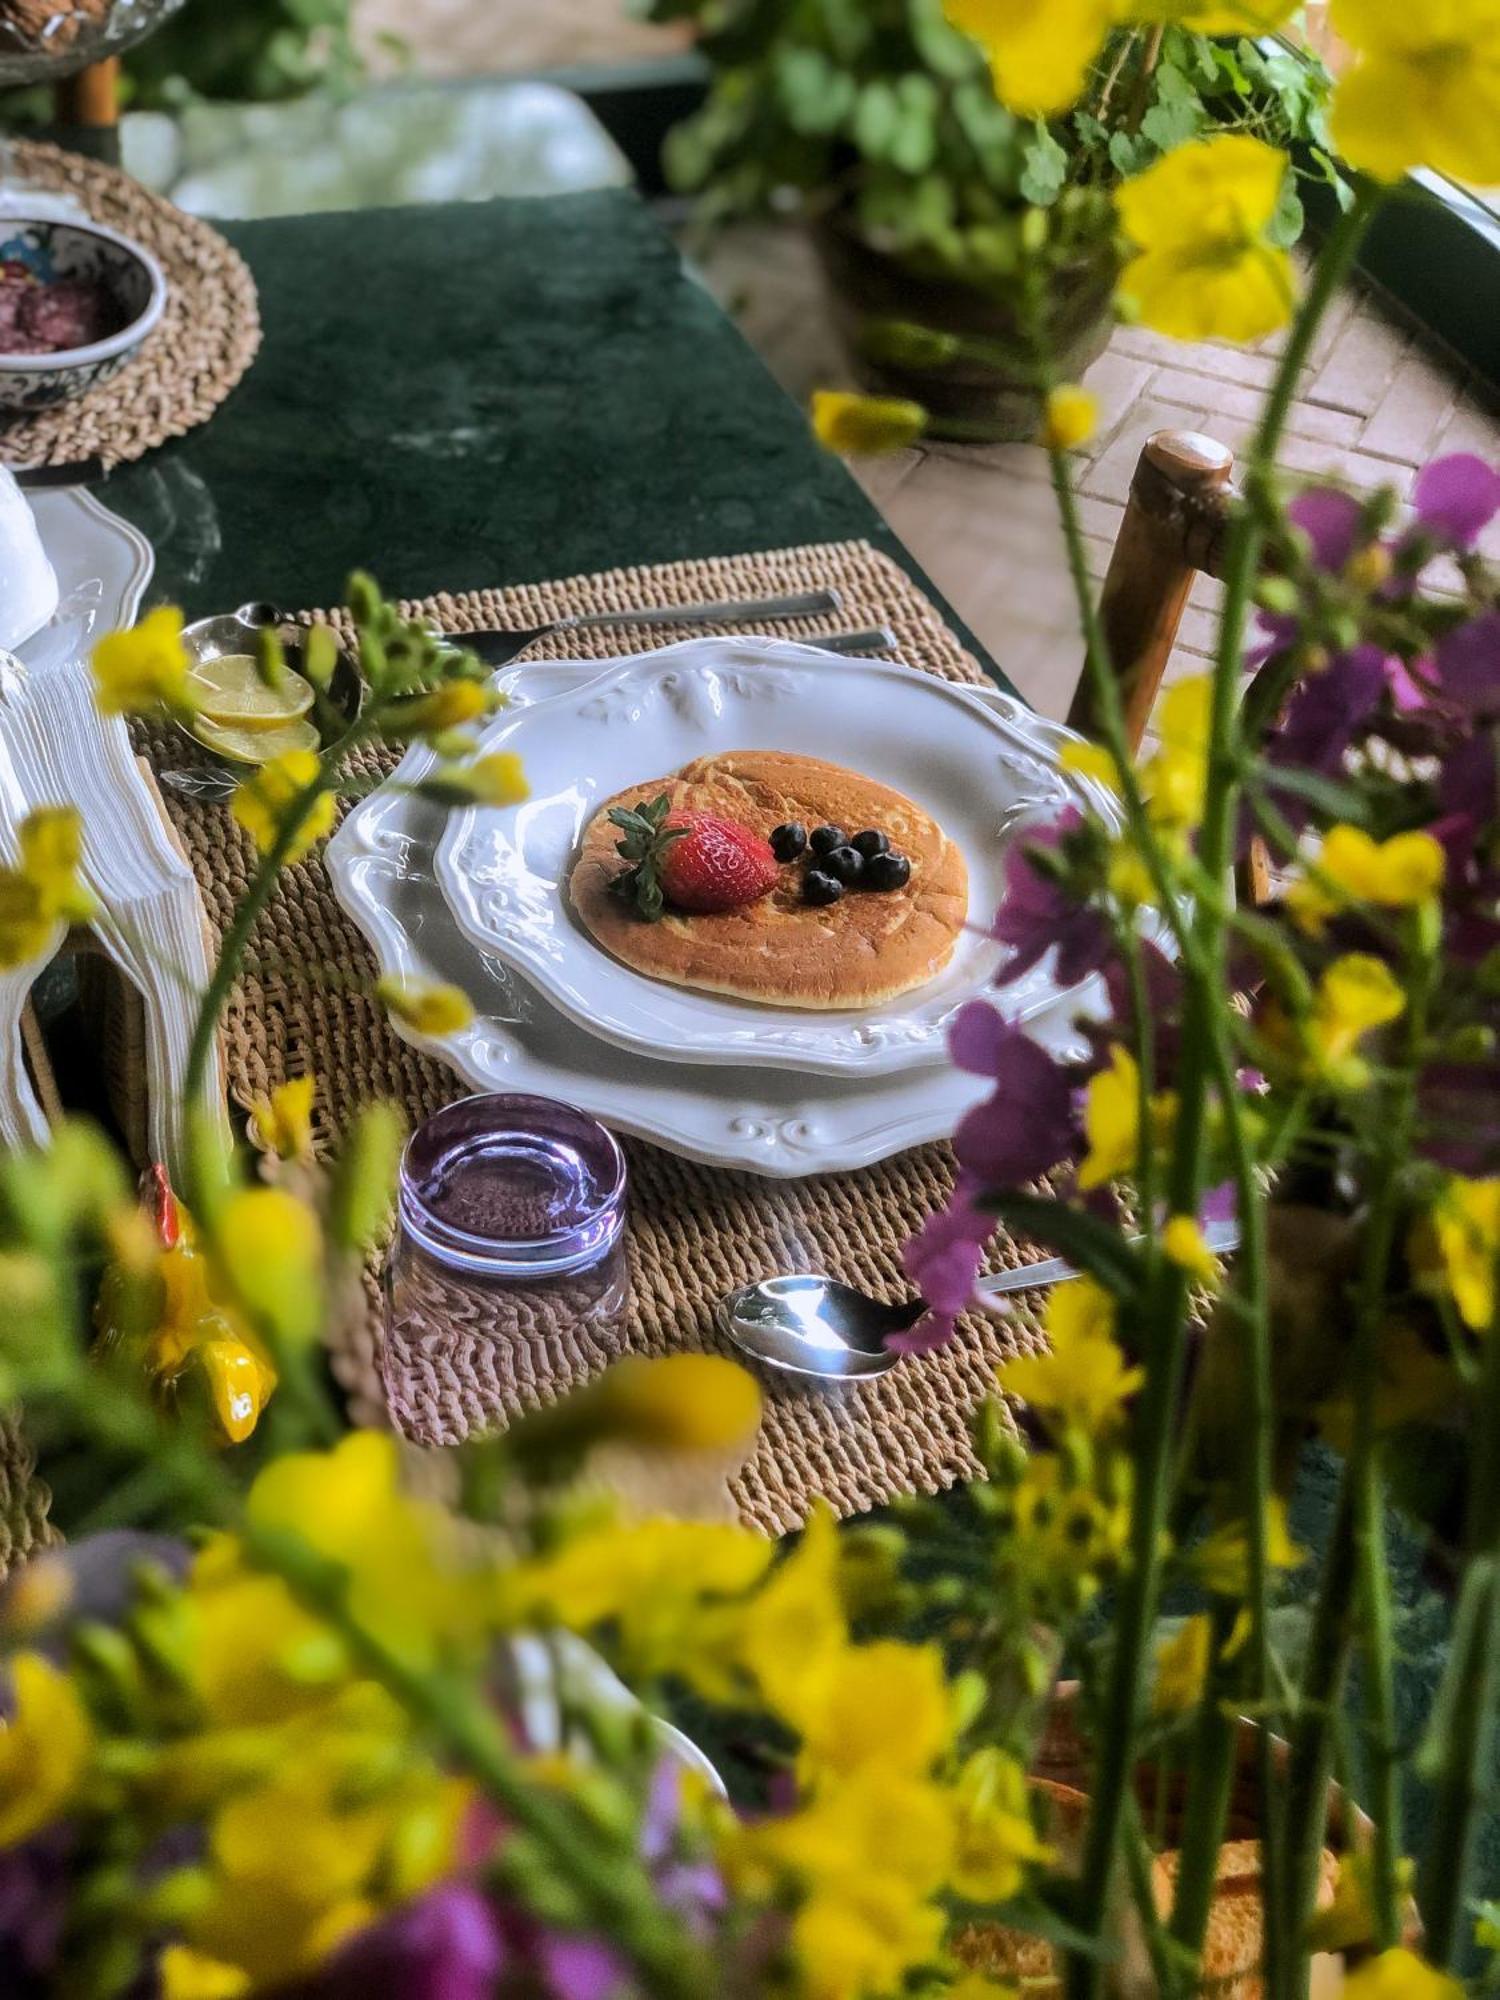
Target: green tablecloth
{"type": "Point", "coordinates": [481, 393]}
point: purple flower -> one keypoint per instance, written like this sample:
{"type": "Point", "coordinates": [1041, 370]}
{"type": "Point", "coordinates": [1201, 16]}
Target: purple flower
{"type": "Point", "coordinates": [1467, 800]}
{"type": "Point", "coordinates": [1468, 665]}
{"type": "Point", "coordinates": [580, 1968]}
{"type": "Point", "coordinates": [36, 1885]}
{"type": "Point", "coordinates": [1456, 498]}
{"type": "Point", "coordinates": [943, 1261]}
{"type": "Point", "coordinates": [1333, 523]}
{"type": "Point", "coordinates": [693, 1890]}
{"type": "Point", "coordinates": [1027, 1125]}
{"type": "Point", "coordinates": [1326, 709]}
{"type": "Point", "coordinates": [1036, 915]}
{"type": "Point", "coordinates": [445, 1946]}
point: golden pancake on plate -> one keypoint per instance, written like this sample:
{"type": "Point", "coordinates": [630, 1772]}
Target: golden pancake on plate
{"type": "Point", "coordinates": [863, 950]}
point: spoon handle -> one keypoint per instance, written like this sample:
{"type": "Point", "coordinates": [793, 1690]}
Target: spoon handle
{"type": "Point", "coordinates": [1221, 1238]}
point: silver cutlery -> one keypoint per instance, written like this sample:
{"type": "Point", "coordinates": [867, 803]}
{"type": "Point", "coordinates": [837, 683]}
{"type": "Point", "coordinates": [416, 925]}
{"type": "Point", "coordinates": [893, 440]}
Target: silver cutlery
{"type": "Point", "coordinates": [497, 648]}
{"type": "Point", "coordinates": [805, 1324]}
{"type": "Point", "coordinates": [214, 783]}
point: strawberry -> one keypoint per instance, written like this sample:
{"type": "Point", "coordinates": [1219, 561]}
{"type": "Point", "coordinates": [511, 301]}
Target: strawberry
{"type": "Point", "coordinates": [693, 860]}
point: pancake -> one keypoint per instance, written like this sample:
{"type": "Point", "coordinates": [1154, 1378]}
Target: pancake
{"type": "Point", "coordinates": [867, 948]}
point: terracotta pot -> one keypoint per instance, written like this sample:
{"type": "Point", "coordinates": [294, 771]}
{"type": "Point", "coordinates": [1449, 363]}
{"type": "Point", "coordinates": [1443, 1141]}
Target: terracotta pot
{"type": "Point", "coordinates": [1232, 1950]}
{"type": "Point", "coordinates": [866, 284]}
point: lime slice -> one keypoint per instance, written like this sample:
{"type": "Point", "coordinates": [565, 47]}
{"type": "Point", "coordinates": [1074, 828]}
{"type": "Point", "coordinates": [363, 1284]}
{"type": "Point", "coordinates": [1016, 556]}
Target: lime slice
{"type": "Point", "coordinates": [231, 693]}
{"type": "Point", "coordinates": [253, 746]}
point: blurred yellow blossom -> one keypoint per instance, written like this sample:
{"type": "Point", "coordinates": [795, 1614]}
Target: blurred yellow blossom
{"type": "Point", "coordinates": [405, 1583]}
{"type": "Point", "coordinates": [995, 1841]}
{"type": "Point", "coordinates": [1399, 1974]}
{"type": "Point", "coordinates": [1423, 89]}
{"type": "Point", "coordinates": [1182, 1664]}
{"type": "Point", "coordinates": [1071, 417]}
{"type": "Point", "coordinates": [145, 669]}
{"type": "Point", "coordinates": [262, 803]}
{"type": "Point", "coordinates": [1465, 1230]}
{"type": "Point", "coordinates": [44, 1748]}
{"type": "Point", "coordinates": [1198, 218]}
{"type": "Point", "coordinates": [1039, 51]}
{"type": "Point", "coordinates": [446, 707]}
{"type": "Point", "coordinates": [283, 1120]}
{"type": "Point", "coordinates": [795, 1623]}
{"type": "Point", "coordinates": [1355, 994]}
{"type": "Point", "coordinates": [497, 779]}
{"type": "Point", "coordinates": [1174, 776]}
{"type": "Point", "coordinates": [1221, 1560]}
{"type": "Point", "coordinates": [1183, 1244]}
{"type": "Point", "coordinates": [679, 1402]}
{"type": "Point", "coordinates": [1111, 1120]}
{"type": "Point", "coordinates": [843, 1705]}
{"type": "Point", "coordinates": [185, 1974]}
{"type": "Point", "coordinates": [1351, 866]}
{"type": "Point", "coordinates": [857, 424]}
{"type": "Point", "coordinates": [425, 1006]}
{"type": "Point", "coordinates": [1091, 760]}
{"type": "Point", "coordinates": [1083, 1378]}
{"type": "Point", "coordinates": [257, 1658]}
{"type": "Point", "coordinates": [43, 889]}
{"type": "Point", "coordinates": [269, 1249]}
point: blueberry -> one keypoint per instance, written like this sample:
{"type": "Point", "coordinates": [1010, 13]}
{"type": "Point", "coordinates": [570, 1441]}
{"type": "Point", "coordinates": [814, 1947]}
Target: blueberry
{"type": "Point", "coordinates": [845, 864]}
{"type": "Point", "coordinates": [826, 838]}
{"type": "Point", "coordinates": [888, 871]}
{"type": "Point", "coordinates": [870, 843]}
{"type": "Point", "coordinates": [820, 888]}
{"type": "Point", "coordinates": [788, 841]}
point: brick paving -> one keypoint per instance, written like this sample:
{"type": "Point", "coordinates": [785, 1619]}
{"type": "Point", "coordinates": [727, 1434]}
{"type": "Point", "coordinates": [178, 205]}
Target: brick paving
{"type": "Point", "coordinates": [1376, 402]}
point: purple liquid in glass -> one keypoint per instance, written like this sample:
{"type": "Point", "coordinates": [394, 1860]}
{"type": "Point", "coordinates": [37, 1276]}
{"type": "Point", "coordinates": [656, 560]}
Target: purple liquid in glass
{"type": "Point", "coordinates": [512, 1211]}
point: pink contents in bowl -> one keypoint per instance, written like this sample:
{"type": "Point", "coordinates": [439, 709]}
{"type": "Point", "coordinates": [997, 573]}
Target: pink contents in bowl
{"type": "Point", "coordinates": [42, 317]}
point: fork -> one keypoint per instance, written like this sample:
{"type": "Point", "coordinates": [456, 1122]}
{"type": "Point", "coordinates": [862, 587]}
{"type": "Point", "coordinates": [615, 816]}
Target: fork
{"type": "Point", "coordinates": [497, 648]}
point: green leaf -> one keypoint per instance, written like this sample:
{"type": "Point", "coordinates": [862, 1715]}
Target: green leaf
{"type": "Point", "coordinates": [1169, 125]}
{"type": "Point", "coordinates": [877, 118]}
{"type": "Point", "coordinates": [1089, 1244]}
{"type": "Point", "coordinates": [1046, 168]}
{"type": "Point", "coordinates": [1338, 801]}
{"type": "Point", "coordinates": [1125, 153]}
{"type": "Point", "coordinates": [942, 48]}
{"type": "Point", "coordinates": [1290, 218]}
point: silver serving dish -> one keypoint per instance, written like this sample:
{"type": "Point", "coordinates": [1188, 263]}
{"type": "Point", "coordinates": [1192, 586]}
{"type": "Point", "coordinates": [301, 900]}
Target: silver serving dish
{"type": "Point", "coordinates": [239, 632]}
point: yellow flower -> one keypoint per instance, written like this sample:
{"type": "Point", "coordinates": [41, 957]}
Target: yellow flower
{"type": "Point", "coordinates": [185, 1974]}
{"type": "Point", "coordinates": [1092, 760]}
{"type": "Point", "coordinates": [1182, 1664]}
{"type": "Point", "coordinates": [257, 1658]}
{"type": "Point", "coordinates": [1111, 1120]}
{"type": "Point", "coordinates": [425, 1006]}
{"type": "Point", "coordinates": [44, 1749]}
{"type": "Point", "coordinates": [261, 804]}
{"type": "Point", "coordinates": [865, 423]}
{"type": "Point", "coordinates": [995, 1841]}
{"type": "Point", "coordinates": [1072, 416]}
{"type": "Point", "coordinates": [843, 1707]}
{"type": "Point", "coordinates": [283, 1120]}
{"type": "Point", "coordinates": [794, 1624]}
{"type": "Point", "coordinates": [862, 1937]}
{"type": "Point", "coordinates": [1355, 994]}
{"type": "Point", "coordinates": [1183, 1245]}
{"type": "Point", "coordinates": [681, 1402]}
{"type": "Point", "coordinates": [1400, 874]}
{"type": "Point", "coordinates": [1399, 1975]}
{"type": "Point", "coordinates": [147, 669]}
{"type": "Point", "coordinates": [1423, 90]}
{"type": "Point", "coordinates": [404, 1580]}
{"type": "Point", "coordinates": [43, 888]}
{"type": "Point", "coordinates": [1221, 1560]}
{"type": "Point", "coordinates": [1465, 1228]}
{"type": "Point", "coordinates": [498, 779]}
{"type": "Point", "coordinates": [1198, 218]}
{"type": "Point", "coordinates": [269, 1249]}
{"type": "Point", "coordinates": [441, 708]}
{"type": "Point", "coordinates": [1083, 1380]}
{"type": "Point", "coordinates": [1039, 51]}
{"type": "Point", "coordinates": [1173, 778]}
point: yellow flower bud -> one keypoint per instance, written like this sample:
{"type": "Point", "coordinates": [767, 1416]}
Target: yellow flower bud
{"type": "Point", "coordinates": [263, 802]}
{"type": "Point", "coordinates": [139, 672]}
{"type": "Point", "coordinates": [858, 424]}
{"type": "Point", "coordinates": [1183, 1245]}
{"type": "Point", "coordinates": [1072, 415]}
{"type": "Point", "coordinates": [426, 1007]}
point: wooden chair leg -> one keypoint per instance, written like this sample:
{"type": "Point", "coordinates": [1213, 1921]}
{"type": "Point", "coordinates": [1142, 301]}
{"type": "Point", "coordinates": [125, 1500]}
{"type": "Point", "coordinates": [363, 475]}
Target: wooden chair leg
{"type": "Point", "coordinates": [91, 97]}
{"type": "Point", "coordinates": [1173, 523]}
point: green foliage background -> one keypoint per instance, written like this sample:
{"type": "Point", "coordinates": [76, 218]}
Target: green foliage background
{"type": "Point", "coordinates": [243, 49]}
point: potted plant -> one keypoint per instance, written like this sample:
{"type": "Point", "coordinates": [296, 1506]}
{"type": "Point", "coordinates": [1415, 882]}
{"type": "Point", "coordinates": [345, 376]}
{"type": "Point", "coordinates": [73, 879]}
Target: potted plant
{"type": "Point", "coordinates": [880, 127]}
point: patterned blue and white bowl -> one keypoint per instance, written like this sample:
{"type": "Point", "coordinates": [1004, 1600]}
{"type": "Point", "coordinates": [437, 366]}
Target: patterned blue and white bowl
{"type": "Point", "coordinates": [47, 250]}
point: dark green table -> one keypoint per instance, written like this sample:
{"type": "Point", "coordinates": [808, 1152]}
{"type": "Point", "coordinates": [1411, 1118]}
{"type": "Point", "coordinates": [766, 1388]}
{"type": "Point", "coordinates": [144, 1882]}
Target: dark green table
{"type": "Point", "coordinates": [482, 393]}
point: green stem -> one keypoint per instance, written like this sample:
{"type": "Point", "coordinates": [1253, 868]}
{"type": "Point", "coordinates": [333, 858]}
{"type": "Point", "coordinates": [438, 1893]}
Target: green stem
{"type": "Point", "coordinates": [1473, 1676]}
{"type": "Point", "coordinates": [1211, 1760]}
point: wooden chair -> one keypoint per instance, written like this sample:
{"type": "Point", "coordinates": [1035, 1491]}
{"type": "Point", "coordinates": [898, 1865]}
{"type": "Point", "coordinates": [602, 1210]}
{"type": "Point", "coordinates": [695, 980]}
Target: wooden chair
{"type": "Point", "coordinates": [1174, 527]}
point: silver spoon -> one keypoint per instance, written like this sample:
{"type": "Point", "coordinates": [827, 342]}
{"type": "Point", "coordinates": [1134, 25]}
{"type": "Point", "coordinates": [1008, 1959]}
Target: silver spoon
{"type": "Point", "coordinates": [805, 1324]}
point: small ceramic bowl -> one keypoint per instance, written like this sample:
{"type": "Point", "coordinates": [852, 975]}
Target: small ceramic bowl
{"type": "Point", "coordinates": [239, 632]}
{"type": "Point", "coordinates": [47, 249]}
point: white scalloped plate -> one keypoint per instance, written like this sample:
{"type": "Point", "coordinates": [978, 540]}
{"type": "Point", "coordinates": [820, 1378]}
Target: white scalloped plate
{"type": "Point", "coordinates": [983, 766]}
{"type": "Point", "coordinates": [773, 1122]}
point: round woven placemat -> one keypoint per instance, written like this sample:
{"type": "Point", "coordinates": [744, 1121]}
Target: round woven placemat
{"type": "Point", "coordinates": [694, 1233]}
{"type": "Point", "coordinates": [207, 338]}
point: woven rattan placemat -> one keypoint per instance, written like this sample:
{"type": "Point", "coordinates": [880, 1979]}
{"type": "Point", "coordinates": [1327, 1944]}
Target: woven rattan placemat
{"type": "Point", "coordinates": [207, 338]}
{"type": "Point", "coordinates": [694, 1233]}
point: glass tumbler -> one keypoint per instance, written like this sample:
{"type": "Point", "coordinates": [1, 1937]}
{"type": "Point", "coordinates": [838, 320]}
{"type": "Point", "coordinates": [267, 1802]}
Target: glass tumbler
{"type": "Point", "coordinates": [511, 1217]}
